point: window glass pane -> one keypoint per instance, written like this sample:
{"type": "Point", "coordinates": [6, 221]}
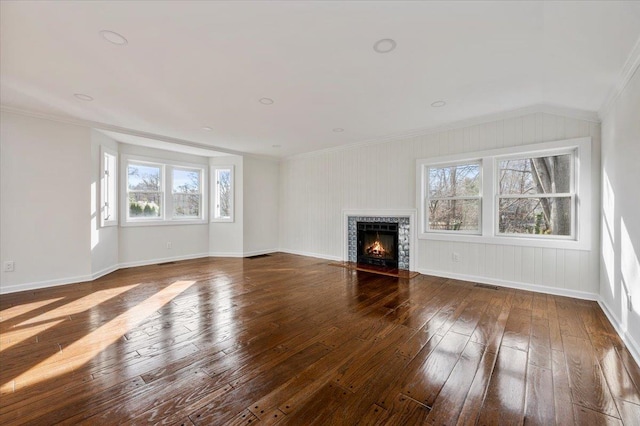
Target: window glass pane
{"type": "Point", "coordinates": [454, 181]}
{"type": "Point", "coordinates": [145, 204]}
{"type": "Point", "coordinates": [541, 175]}
{"type": "Point", "coordinates": [186, 205]}
{"type": "Point", "coordinates": [223, 193]}
{"type": "Point", "coordinates": [454, 215]}
{"type": "Point", "coordinates": [142, 177]}
{"type": "Point", "coordinates": [542, 216]}
{"type": "Point", "coordinates": [186, 181]}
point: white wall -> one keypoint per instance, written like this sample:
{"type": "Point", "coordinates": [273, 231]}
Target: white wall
{"type": "Point", "coordinates": [316, 188]}
{"type": "Point", "coordinates": [104, 240]}
{"type": "Point", "coordinates": [260, 196]}
{"type": "Point", "coordinates": [45, 202]}
{"type": "Point", "coordinates": [620, 264]}
{"type": "Point", "coordinates": [226, 238]}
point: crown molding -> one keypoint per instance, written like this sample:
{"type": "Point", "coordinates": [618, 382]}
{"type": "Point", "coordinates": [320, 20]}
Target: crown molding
{"type": "Point", "coordinates": [578, 114]}
{"type": "Point", "coordinates": [628, 71]}
{"type": "Point", "coordinates": [108, 127]}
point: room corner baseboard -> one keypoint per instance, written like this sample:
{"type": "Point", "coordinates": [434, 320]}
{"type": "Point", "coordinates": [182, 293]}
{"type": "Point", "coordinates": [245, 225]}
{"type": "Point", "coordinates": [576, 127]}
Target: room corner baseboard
{"type": "Point", "coordinates": [629, 341]}
{"type": "Point", "coordinates": [104, 272]}
{"type": "Point", "coordinates": [259, 252]}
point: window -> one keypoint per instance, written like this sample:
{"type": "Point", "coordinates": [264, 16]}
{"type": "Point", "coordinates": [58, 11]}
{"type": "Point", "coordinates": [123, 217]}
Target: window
{"type": "Point", "coordinates": [108, 188]}
{"type": "Point", "coordinates": [144, 191]}
{"type": "Point", "coordinates": [536, 195]}
{"type": "Point", "coordinates": [223, 194]}
{"type": "Point", "coordinates": [162, 193]}
{"type": "Point", "coordinates": [186, 191]}
{"type": "Point", "coordinates": [453, 198]}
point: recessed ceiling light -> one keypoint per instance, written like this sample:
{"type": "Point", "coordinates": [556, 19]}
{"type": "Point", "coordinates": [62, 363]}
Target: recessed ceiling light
{"type": "Point", "coordinates": [438, 104]}
{"type": "Point", "coordinates": [266, 101]}
{"type": "Point", "coordinates": [207, 128]}
{"type": "Point", "coordinates": [83, 97]}
{"type": "Point", "coordinates": [385, 45]}
{"type": "Point", "coordinates": [113, 37]}
{"type": "Point", "coordinates": [276, 146]}
{"type": "Point", "coordinates": [338, 130]}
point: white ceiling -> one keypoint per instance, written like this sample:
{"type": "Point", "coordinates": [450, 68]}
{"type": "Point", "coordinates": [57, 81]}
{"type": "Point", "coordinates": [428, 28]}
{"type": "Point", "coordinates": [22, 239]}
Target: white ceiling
{"type": "Point", "coordinates": [194, 64]}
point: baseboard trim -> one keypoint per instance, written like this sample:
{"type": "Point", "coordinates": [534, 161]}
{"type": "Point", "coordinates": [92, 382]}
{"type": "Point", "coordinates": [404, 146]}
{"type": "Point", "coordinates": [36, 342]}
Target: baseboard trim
{"type": "Point", "coordinates": [104, 272]}
{"type": "Point", "coordinates": [514, 284]}
{"type": "Point", "coordinates": [161, 260]}
{"type": "Point", "coordinates": [308, 254]}
{"type": "Point", "coordinates": [44, 284]}
{"type": "Point", "coordinates": [259, 252]}
{"type": "Point", "coordinates": [629, 341]}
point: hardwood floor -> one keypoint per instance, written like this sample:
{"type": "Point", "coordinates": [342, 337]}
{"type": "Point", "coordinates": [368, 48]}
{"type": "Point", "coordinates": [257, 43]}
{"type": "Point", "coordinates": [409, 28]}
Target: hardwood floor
{"type": "Point", "coordinates": [292, 340]}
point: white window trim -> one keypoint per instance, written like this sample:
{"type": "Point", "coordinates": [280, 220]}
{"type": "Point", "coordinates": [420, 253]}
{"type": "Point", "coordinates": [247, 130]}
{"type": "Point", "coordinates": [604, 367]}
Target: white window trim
{"type": "Point", "coordinates": [167, 185]}
{"type": "Point", "coordinates": [113, 220]}
{"type": "Point", "coordinates": [489, 160]}
{"type": "Point", "coordinates": [214, 194]}
{"type": "Point", "coordinates": [203, 187]}
{"type": "Point", "coordinates": [426, 198]}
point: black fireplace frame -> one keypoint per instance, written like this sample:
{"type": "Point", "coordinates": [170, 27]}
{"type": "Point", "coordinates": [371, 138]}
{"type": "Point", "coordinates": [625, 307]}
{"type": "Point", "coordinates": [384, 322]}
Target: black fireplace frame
{"type": "Point", "coordinates": [382, 228]}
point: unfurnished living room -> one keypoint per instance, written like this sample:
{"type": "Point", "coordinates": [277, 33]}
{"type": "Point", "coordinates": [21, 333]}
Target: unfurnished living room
{"type": "Point", "coordinates": [320, 212]}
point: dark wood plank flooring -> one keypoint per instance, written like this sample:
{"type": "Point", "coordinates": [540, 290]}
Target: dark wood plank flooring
{"type": "Point", "coordinates": [292, 340]}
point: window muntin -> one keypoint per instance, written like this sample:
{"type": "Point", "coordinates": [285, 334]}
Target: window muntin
{"type": "Point", "coordinates": [144, 190]}
{"type": "Point", "coordinates": [223, 194]}
{"type": "Point", "coordinates": [186, 188]}
{"type": "Point", "coordinates": [108, 192]}
{"type": "Point", "coordinates": [453, 201]}
{"type": "Point", "coordinates": [536, 196]}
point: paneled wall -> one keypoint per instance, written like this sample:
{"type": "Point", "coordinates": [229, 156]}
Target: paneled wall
{"type": "Point", "coordinates": [316, 188]}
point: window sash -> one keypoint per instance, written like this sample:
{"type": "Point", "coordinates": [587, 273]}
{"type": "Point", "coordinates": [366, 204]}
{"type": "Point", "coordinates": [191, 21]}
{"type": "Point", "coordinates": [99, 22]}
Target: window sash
{"type": "Point", "coordinates": [428, 198]}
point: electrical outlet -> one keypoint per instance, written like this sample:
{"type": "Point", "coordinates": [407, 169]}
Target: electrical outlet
{"type": "Point", "coordinates": [455, 256]}
{"type": "Point", "coordinates": [169, 245]}
{"type": "Point", "coordinates": [9, 266]}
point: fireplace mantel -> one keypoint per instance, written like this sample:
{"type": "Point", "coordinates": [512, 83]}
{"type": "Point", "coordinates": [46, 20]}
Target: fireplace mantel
{"type": "Point", "coordinates": [382, 214]}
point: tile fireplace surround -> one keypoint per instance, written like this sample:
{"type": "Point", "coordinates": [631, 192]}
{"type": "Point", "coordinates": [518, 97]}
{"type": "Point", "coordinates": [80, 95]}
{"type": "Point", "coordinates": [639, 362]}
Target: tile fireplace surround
{"type": "Point", "coordinates": [405, 236]}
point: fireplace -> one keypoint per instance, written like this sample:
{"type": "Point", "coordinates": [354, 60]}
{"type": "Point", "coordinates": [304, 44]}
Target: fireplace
{"type": "Point", "coordinates": [378, 243]}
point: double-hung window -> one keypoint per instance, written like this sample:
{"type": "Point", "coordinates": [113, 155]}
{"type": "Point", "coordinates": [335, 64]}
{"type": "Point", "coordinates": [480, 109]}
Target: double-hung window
{"type": "Point", "coordinates": [160, 192]}
{"type": "Point", "coordinates": [187, 193]}
{"type": "Point", "coordinates": [145, 191]}
{"type": "Point", "coordinates": [534, 195]}
{"type": "Point", "coordinates": [453, 198]}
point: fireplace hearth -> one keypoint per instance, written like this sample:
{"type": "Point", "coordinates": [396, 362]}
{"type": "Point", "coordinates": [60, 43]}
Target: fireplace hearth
{"type": "Point", "coordinates": [378, 244]}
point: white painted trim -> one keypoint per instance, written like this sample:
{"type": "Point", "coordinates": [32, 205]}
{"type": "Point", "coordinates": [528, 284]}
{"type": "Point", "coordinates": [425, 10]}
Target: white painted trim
{"type": "Point", "coordinates": [44, 284]}
{"type": "Point", "coordinates": [308, 254]}
{"type": "Point", "coordinates": [488, 159]}
{"type": "Point", "coordinates": [161, 260]}
{"type": "Point", "coordinates": [105, 271]}
{"type": "Point", "coordinates": [226, 254]}
{"type": "Point", "coordinates": [259, 252]}
{"type": "Point", "coordinates": [413, 241]}
{"type": "Point", "coordinates": [591, 116]}
{"type": "Point", "coordinates": [513, 284]}
{"type": "Point", "coordinates": [629, 69]}
{"type": "Point", "coordinates": [629, 341]}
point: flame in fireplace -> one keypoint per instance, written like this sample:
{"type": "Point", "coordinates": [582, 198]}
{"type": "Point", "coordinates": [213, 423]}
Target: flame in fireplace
{"type": "Point", "coordinates": [376, 249]}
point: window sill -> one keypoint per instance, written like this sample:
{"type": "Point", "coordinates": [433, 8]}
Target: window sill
{"type": "Point", "coordinates": [508, 241]}
{"type": "Point", "coordinates": [164, 222]}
